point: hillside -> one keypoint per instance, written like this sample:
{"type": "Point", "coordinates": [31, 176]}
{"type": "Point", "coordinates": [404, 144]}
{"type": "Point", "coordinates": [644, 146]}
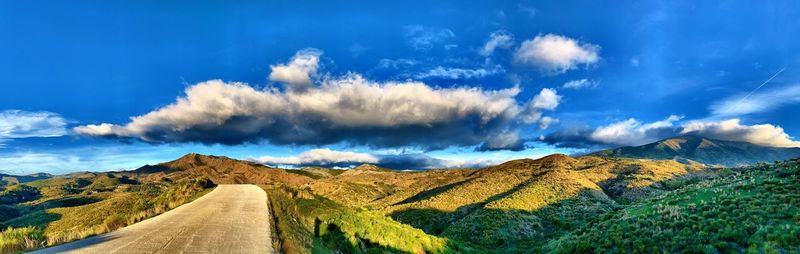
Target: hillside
{"type": "Point", "coordinates": [553, 204]}
{"type": "Point", "coordinates": [754, 210]}
{"type": "Point", "coordinates": [65, 208]}
{"type": "Point", "coordinates": [6, 179]}
{"type": "Point", "coordinates": [520, 204]}
{"type": "Point", "coordinates": [219, 169]}
{"type": "Point", "coordinates": [704, 150]}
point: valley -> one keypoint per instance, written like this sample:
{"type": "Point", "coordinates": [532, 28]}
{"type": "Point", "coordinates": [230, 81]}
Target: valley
{"type": "Point", "coordinates": [554, 204]}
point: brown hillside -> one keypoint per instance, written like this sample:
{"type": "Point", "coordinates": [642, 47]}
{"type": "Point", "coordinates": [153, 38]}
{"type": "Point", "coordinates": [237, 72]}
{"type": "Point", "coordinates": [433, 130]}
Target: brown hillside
{"type": "Point", "coordinates": [219, 169]}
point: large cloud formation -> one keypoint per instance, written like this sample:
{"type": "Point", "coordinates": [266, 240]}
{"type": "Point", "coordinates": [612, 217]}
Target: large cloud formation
{"type": "Point", "coordinates": [347, 109]}
{"type": "Point", "coordinates": [632, 132]}
{"type": "Point", "coordinates": [332, 158]}
{"type": "Point", "coordinates": [554, 54]}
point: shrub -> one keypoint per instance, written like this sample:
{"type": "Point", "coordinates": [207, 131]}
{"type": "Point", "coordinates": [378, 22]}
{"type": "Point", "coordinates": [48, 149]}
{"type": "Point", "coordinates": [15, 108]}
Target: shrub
{"type": "Point", "coordinates": [19, 194]}
{"type": "Point", "coordinates": [18, 239]}
{"type": "Point", "coordinates": [114, 222]}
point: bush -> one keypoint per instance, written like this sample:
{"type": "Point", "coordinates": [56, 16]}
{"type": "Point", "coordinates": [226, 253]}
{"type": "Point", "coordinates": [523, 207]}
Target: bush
{"type": "Point", "coordinates": [8, 212]}
{"type": "Point", "coordinates": [19, 239]}
{"type": "Point", "coordinates": [114, 222]}
{"type": "Point", "coordinates": [19, 194]}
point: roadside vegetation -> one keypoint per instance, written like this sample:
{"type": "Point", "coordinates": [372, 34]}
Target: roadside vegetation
{"type": "Point", "coordinates": [308, 223]}
{"type": "Point", "coordinates": [59, 210]}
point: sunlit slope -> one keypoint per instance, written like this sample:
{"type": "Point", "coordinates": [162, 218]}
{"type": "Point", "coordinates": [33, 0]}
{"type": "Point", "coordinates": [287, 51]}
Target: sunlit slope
{"type": "Point", "coordinates": [65, 208]}
{"type": "Point", "coordinates": [522, 203]}
{"type": "Point", "coordinates": [219, 169]}
{"type": "Point", "coordinates": [754, 210]}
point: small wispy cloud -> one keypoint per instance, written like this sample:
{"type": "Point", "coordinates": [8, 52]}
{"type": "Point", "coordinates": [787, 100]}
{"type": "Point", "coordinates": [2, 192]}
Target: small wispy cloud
{"type": "Point", "coordinates": [497, 40]}
{"type": "Point", "coordinates": [579, 84]}
{"type": "Point", "coordinates": [757, 101]}
{"type": "Point", "coordinates": [424, 38]}
{"type": "Point", "coordinates": [459, 73]}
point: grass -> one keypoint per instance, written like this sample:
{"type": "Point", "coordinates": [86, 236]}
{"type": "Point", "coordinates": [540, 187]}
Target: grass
{"type": "Point", "coordinates": [753, 211]}
{"type": "Point", "coordinates": [68, 217]}
{"type": "Point", "coordinates": [14, 240]}
{"type": "Point", "coordinates": [309, 223]}
{"type": "Point", "coordinates": [556, 204]}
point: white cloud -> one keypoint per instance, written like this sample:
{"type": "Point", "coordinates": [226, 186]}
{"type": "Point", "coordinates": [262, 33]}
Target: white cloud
{"type": "Point", "coordinates": [497, 40]}
{"type": "Point", "coordinates": [579, 84]}
{"type": "Point", "coordinates": [459, 73]}
{"type": "Point", "coordinates": [635, 62]}
{"type": "Point", "coordinates": [633, 132]}
{"type": "Point", "coordinates": [732, 129]}
{"type": "Point", "coordinates": [297, 74]}
{"type": "Point", "coordinates": [554, 54]}
{"type": "Point", "coordinates": [757, 102]}
{"type": "Point", "coordinates": [346, 109]}
{"type": "Point", "coordinates": [546, 122]}
{"type": "Point", "coordinates": [424, 38]}
{"type": "Point", "coordinates": [323, 156]}
{"type": "Point", "coordinates": [547, 99]}
{"type": "Point", "coordinates": [26, 124]}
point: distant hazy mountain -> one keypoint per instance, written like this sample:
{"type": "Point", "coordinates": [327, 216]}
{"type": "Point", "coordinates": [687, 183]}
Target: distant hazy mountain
{"type": "Point", "coordinates": [704, 150]}
{"type": "Point", "coordinates": [10, 179]}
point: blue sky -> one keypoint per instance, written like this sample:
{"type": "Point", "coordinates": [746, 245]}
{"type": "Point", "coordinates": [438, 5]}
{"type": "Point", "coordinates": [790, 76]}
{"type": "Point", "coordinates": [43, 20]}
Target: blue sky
{"type": "Point", "coordinates": [412, 84]}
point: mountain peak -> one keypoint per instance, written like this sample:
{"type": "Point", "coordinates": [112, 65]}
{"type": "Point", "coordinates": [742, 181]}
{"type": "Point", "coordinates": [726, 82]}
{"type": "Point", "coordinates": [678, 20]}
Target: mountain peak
{"type": "Point", "coordinates": [704, 150]}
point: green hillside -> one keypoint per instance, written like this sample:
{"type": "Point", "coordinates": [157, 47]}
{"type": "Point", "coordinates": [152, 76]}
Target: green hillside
{"type": "Point", "coordinates": [753, 210]}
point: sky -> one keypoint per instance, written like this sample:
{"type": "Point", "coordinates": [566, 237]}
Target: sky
{"type": "Point", "coordinates": [112, 85]}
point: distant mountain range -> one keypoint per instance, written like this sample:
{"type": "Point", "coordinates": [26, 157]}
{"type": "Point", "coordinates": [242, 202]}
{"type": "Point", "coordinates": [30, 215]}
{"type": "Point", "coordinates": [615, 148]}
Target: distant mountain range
{"type": "Point", "coordinates": [704, 150]}
{"type": "Point", "coordinates": [13, 179]}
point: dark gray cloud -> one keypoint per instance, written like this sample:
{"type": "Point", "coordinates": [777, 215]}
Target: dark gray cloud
{"type": "Point", "coordinates": [344, 159]}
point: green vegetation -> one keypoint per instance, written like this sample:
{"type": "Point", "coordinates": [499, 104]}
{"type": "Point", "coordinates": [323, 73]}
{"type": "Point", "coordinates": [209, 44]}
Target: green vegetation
{"type": "Point", "coordinates": [753, 210]}
{"type": "Point", "coordinates": [18, 194]}
{"type": "Point", "coordinates": [554, 204]}
{"type": "Point", "coordinates": [68, 209]}
{"type": "Point", "coordinates": [19, 239]}
{"type": "Point", "coordinates": [309, 223]}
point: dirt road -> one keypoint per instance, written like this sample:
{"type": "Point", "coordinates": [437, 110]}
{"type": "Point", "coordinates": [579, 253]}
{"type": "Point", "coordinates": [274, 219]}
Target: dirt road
{"type": "Point", "coordinates": [229, 219]}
